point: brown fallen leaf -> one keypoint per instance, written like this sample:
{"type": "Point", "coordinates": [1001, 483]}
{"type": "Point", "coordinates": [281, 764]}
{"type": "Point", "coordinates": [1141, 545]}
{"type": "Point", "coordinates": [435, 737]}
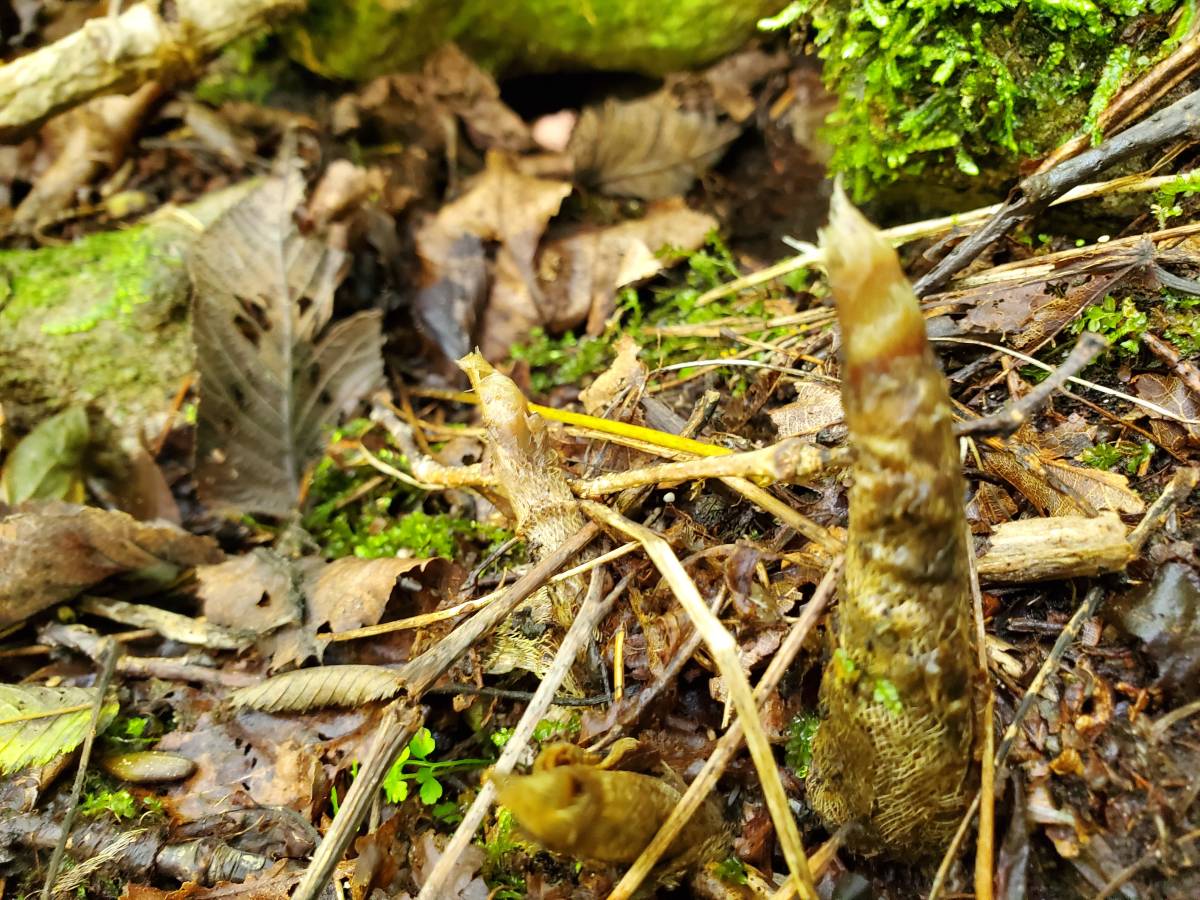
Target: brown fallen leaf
{"type": "Point", "coordinates": [817, 405]}
{"type": "Point", "coordinates": [625, 371]}
{"type": "Point", "coordinates": [254, 593]}
{"type": "Point", "coordinates": [1172, 394]}
{"type": "Point", "coordinates": [990, 505]}
{"type": "Point", "coordinates": [90, 140]}
{"type": "Point", "coordinates": [1099, 489]}
{"type": "Point", "coordinates": [580, 274]}
{"type": "Point", "coordinates": [504, 206]}
{"type": "Point", "coordinates": [259, 759]}
{"type": "Point", "coordinates": [51, 552]}
{"type": "Point", "coordinates": [647, 148]}
{"type": "Point", "coordinates": [350, 593]}
{"type": "Point", "coordinates": [273, 373]}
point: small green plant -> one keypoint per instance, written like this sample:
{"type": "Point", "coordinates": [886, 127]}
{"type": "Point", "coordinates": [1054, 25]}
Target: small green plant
{"type": "Point", "coordinates": [1182, 328]}
{"type": "Point", "coordinates": [414, 765]}
{"type": "Point", "coordinates": [1130, 455]}
{"type": "Point", "coordinates": [1166, 203]}
{"type": "Point", "coordinates": [131, 733]}
{"type": "Point", "coordinates": [1121, 325]}
{"type": "Point", "coordinates": [798, 753]}
{"type": "Point", "coordinates": [732, 870]}
{"type": "Point", "coordinates": [885, 693]}
{"type": "Point", "coordinates": [119, 802]}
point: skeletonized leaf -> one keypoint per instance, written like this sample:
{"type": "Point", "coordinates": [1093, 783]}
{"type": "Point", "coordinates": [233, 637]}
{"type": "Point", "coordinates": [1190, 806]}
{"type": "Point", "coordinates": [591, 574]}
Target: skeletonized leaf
{"type": "Point", "coordinates": [323, 686]}
{"type": "Point", "coordinates": [38, 723]}
{"type": "Point", "coordinates": [47, 463]}
{"type": "Point", "coordinates": [272, 375]}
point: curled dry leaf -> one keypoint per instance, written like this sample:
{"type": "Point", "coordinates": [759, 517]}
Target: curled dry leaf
{"type": "Point", "coordinates": [306, 689]}
{"type": "Point", "coordinates": [49, 553]}
{"type": "Point", "coordinates": [580, 274]}
{"type": "Point", "coordinates": [817, 405]}
{"type": "Point", "coordinates": [647, 148]}
{"type": "Point", "coordinates": [504, 206]}
{"type": "Point", "coordinates": [38, 723]}
{"type": "Point", "coordinates": [626, 371]}
{"type": "Point", "coordinates": [272, 375]}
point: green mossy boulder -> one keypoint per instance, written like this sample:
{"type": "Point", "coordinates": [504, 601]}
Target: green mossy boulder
{"type": "Point", "coordinates": [959, 91]}
{"type": "Point", "coordinates": [357, 39]}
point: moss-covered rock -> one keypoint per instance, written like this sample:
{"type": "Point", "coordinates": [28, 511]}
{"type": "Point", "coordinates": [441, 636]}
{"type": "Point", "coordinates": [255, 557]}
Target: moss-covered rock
{"type": "Point", "coordinates": [973, 86]}
{"type": "Point", "coordinates": [356, 39]}
{"type": "Point", "coordinates": [102, 322]}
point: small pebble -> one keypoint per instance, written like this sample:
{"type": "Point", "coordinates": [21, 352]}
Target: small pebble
{"type": "Point", "coordinates": [147, 766]}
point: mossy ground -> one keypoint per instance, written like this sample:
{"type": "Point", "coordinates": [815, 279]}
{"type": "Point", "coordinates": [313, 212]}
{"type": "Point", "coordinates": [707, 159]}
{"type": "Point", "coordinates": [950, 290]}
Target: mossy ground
{"type": "Point", "coordinates": [100, 322]}
{"type": "Point", "coordinates": [976, 85]}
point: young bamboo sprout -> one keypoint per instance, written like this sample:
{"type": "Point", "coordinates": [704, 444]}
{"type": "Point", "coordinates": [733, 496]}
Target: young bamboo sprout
{"type": "Point", "coordinates": [893, 754]}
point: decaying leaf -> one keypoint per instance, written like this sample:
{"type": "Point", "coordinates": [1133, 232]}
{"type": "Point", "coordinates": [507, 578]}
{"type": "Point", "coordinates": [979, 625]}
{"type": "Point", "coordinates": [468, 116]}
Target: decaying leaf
{"type": "Point", "coordinates": [256, 592]}
{"type": "Point", "coordinates": [306, 689]}
{"type": "Point", "coordinates": [171, 625]}
{"type": "Point", "coordinates": [352, 592]}
{"type": "Point", "coordinates": [990, 505]}
{"type": "Point", "coordinates": [1099, 489]}
{"type": "Point", "coordinates": [580, 274]}
{"type": "Point", "coordinates": [817, 405]}
{"type": "Point", "coordinates": [1173, 395]}
{"type": "Point", "coordinates": [647, 148]}
{"type": "Point", "coordinates": [501, 205]}
{"type": "Point", "coordinates": [271, 374]}
{"type": "Point", "coordinates": [38, 723]}
{"type": "Point", "coordinates": [49, 553]}
{"type": "Point", "coordinates": [47, 464]}
{"type": "Point", "coordinates": [1164, 615]}
{"type": "Point", "coordinates": [626, 371]}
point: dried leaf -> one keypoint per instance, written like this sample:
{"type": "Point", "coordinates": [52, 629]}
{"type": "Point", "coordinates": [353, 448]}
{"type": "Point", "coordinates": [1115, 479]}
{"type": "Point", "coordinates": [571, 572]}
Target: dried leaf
{"type": "Point", "coordinates": [1172, 394]}
{"type": "Point", "coordinates": [626, 371]}
{"type": "Point", "coordinates": [990, 506]}
{"type": "Point", "coordinates": [323, 686]}
{"type": "Point", "coordinates": [38, 723]}
{"type": "Point", "coordinates": [272, 376]}
{"type": "Point", "coordinates": [647, 148]}
{"type": "Point", "coordinates": [1099, 489]}
{"type": "Point", "coordinates": [47, 464]}
{"type": "Point", "coordinates": [171, 625]}
{"type": "Point", "coordinates": [580, 274]}
{"type": "Point", "coordinates": [351, 592]}
{"type": "Point", "coordinates": [52, 552]}
{"type": "Point", "coordinates": [817, 405]}
{"type": "Point", "coordinates": [255, 593]}
{"type": "Point", "coordinates": [1165, 615]}
{"type": "Point", "coordinates": [500, 205]}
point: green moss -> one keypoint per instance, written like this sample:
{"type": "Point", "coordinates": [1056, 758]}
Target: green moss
{"type": "Point", "coordinates": [100, 322]}
{"type": "Point", "coordinates": [122, 261]}
{"type": "Point", "coordinates": [1129, 455]}
{"type": "Point", "coordinates": [248, 69]}
{"type": "Point", "coordinates": [350, 517]}
{"type": "Point", "coordinates": [356, 39]}
{"type": "Point", "coordinates": [798, 753]}
{"type": "Point", "coordinates": [961, 83]}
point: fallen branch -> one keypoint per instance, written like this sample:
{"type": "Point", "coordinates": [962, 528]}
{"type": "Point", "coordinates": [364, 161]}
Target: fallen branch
{"type": "Point", "coordinates": [116, 54]}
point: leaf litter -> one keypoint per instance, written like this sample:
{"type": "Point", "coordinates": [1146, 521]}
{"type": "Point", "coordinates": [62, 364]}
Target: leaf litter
{"type": "Point", "coordinates": [346, 587]}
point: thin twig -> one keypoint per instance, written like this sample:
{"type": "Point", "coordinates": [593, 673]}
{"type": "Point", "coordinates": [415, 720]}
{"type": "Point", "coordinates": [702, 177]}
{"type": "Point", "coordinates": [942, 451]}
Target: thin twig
{"type": "Point", "coordinates": [1008, 420]}
{"type": "Point", "coordinates": [522, 696]}
{"type": "Point", "coordinates": [591, 612]}
{"type": "Point", "coordinates": [400, 722]}
{"type": "Point", "coordinates": [1035, 193]}
{"type": "Point", "coordinates": [731, 741]}
{"type": "Point", "coordinates": [107, 667]}
{"type": "Point", "coordinates": [1160, 411]}
{"type": "Point", "coordinates": [985, 846]}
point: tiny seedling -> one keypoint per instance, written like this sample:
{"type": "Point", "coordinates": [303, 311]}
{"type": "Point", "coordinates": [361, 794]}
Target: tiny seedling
{"type": "Point", "coordinates": [414, 765]}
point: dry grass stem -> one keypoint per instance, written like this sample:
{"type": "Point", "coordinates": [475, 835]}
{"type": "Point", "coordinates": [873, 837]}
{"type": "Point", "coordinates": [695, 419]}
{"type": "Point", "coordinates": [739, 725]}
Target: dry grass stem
{"type": "Point", "coordinates": [595, 606]}
{"type": "Point", "coordinates": [731, 742]}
